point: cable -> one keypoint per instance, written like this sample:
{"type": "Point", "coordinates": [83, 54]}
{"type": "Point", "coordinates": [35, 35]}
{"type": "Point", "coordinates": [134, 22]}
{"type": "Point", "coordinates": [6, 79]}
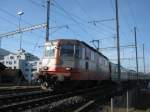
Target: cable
{"type": "Point", "coordinates": [79, 5]}
{"type": "Point", "coordinates": [37, 4]}
{"type": "Point", "coordinates": [7, 20]}
{"type": "Point", "coordinates": [69, 15]}
{"type": "Point", "coordinates": [83, 22]}
{"type": "Point", "coordinates": [132, 13]}
{"type": "Point", "coordinates": [8, 13]}
{"type": "Point", "coordinates": [112, 6]}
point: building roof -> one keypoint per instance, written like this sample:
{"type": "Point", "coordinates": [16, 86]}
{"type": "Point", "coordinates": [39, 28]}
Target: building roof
{"type": "Point", "coordinates": [3, 53]}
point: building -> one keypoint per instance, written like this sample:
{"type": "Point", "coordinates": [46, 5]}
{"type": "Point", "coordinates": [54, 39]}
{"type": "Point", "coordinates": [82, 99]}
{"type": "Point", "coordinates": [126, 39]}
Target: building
{"type": "Point", "coordinates": [3, 53]}
{"type": "Point", "coordinates": [23, 60]}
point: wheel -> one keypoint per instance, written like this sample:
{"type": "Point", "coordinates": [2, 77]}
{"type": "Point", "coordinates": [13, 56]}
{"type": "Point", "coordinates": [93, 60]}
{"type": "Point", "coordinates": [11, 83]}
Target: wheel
{"type": "Point", "coordinates": [44, 85]}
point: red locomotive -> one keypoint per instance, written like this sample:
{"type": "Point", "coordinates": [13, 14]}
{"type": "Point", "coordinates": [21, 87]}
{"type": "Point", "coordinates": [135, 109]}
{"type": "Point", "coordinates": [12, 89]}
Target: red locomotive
{"type": "Point", "coordinates": [66, 59]}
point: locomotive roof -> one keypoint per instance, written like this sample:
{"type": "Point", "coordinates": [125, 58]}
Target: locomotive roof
{"type": "Point", "coordinates": [82, 42]}
{"type": "Point", "coordinates": [93, 49]}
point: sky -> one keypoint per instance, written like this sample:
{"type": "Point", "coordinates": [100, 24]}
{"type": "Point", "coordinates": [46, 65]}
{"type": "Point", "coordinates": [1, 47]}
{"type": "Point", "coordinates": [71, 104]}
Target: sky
{"type": "Point", "coordinates": [73, 19]}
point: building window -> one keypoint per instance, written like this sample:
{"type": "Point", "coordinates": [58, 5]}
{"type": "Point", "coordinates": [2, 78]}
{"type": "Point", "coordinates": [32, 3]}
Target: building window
{"type": "Point", "coordinates": [10, 62]}
{"type": "Point", "coordinates": [40, 63]}
{"type": "Point", "coordinates": [34, 63]}
{"type": "Point", "coordinates": [27, 70]}
{"type": "Point", "coordinates": [33, 70]}
{"type": "Point", "coordinates": [15, 62]}
{"type": "Point", "coordinates": [18, 57]}
{"type": "Point", "coordinates": [28, 57]}
{"type": "Point", "coordinates": [11, 57]}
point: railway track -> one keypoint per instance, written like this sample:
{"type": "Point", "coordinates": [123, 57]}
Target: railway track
{"type": "Point", "coordinates": [29, 100]}
{"type": "Point", "coordinates": [17, 89]}
{"type": "Point", "coordinates": [18, 97]}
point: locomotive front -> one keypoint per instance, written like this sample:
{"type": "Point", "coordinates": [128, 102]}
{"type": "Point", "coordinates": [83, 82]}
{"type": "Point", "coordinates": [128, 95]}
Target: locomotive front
{"type": "Point", "coordinates": [54, 66]}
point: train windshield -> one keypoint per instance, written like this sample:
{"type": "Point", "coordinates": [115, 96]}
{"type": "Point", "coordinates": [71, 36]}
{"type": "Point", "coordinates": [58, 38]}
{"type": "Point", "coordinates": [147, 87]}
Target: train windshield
{"type": "Point", "coordinates": [71, 50]}
{"type": "Point", "coordinates": [67, 50]}
{"type": "Point", "coordinates": [49, 51]}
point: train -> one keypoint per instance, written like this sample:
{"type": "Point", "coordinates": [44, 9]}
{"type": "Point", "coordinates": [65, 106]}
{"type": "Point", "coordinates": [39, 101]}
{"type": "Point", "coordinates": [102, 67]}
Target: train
{"type": "Point", "coordinates": [74, 61]}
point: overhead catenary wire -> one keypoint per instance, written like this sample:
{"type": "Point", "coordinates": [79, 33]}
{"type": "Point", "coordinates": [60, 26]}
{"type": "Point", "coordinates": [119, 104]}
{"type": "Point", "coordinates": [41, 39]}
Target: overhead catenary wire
{"type": "Point", "coordinates": [84, 22]}
{"type": "Point", "coordinates": [131, 12]}
{"type": "Point", "coordinates": [73, 19]}
{"type": "Point", "coordinates": [80, 6]}
{"type": "Point", "coordinates": [37, 4]}
{"type": "Point", "coordinates": [14, 16]}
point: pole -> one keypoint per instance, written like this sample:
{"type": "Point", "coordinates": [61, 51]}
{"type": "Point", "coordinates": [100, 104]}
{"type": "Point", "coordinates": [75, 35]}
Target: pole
{"type": "Point", "coordinates": [112, 105]}
{"type": "Point", "coordinates": [136, 52]}
{"type": "Point", "coordinates": [144, 58]}
{"type": "Point", "coordinates": [47, 21]}
{"type": "Point", "coordinates": [0, 41]}
{"type": "Point", "coordinates": [118, 39]}
{"type": "Point", "coordinates": [20, 13]}
{"type": "Point", "coordinates": [127, 101]}
{"type": "Point", "coordinates": [20, 46]}
{"type": "Point", "coordinates": [98, 41]}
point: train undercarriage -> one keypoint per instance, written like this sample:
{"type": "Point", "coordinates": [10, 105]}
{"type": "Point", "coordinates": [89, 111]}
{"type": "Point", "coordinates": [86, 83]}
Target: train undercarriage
{"type": "Point", "coordinates": [54, 82]}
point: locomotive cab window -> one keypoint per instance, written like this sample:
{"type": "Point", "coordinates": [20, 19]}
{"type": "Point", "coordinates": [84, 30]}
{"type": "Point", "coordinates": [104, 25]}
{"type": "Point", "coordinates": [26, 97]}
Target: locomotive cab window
{"type": "Point", "coordinates": [49, 51]}
{"type": "Point", "coordinates": [71, 51]}
{"type": "Point", "coordinates": [67, 50]}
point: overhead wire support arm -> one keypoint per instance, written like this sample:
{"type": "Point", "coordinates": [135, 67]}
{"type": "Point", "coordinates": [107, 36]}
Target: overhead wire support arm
{"type": "Point", "coordinates": [21, 30]}
{"type": "Point", "coordinates": [113, 47]}
{"type": "Point", "coordinates": [100, 21]}
{"type": "Point", "coordinates": [104, 20]}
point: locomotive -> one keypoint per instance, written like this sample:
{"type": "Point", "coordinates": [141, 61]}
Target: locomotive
{"type": "Point", "coordinates": [74, 61]}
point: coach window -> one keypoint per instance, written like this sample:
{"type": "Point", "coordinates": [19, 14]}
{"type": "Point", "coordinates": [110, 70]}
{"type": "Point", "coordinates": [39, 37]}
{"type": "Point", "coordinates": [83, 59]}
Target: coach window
{"type": "Point", "coordinates": [49, 51]}
{"type": "Point", "coordinates": [86, 65]}
{"type": "Point", "coordinates": [105, 61]}
{"type": "Point", "coordinates": [92, 56]}
{"type": "Point", "coordinates": [67, 50]}
{"type": "Point", "coordinates": [83, 53]}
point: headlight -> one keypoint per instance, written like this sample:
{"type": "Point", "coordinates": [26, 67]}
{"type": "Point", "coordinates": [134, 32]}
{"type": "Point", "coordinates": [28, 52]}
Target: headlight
{"type": "Point", "coordinates": [68, 68]}
{"type": "Point", "coordinates": [45, 68]}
